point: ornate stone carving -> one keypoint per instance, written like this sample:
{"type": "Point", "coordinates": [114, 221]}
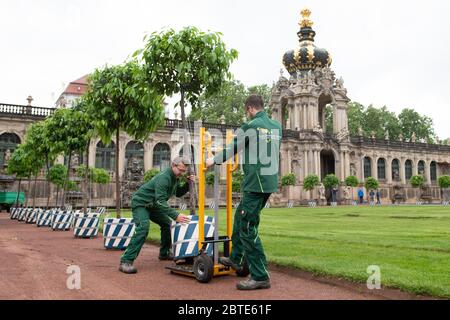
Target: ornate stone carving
{"type": "Point", "coordinates": [342, 135]}
{"type": "Point", "coordinates": [134, 175]}
{"type": "Point", "coordinates": [413, 137]}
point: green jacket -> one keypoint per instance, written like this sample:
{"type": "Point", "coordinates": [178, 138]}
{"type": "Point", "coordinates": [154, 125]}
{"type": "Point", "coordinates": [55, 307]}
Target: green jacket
{"type": "Point", "coordinates": [260, 138]}
{"type": "Point", "coordinates": [155, 193]}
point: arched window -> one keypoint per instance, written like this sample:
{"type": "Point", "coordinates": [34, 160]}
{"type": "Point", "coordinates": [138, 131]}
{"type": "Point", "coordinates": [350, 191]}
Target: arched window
{"type": "Point", "coordinates": [182, 151]}
{"type": "Point", "coordinates": [161, 156]}
{"type": "Point", "coordinates": [381, 166]}
{"type": "Point", "coordinates": [8, 143]}
{"type": "Point", "coordinates": [395, 170]}
{"type": "Point", "coordinates": [408, 169]}
{"type": "Point", "coordinates": [105, 156]}
{"type": "Point", "coordinates": [367, 167]}
{"type": "Point", "coordinates": [421, 167]}
{"type": "Point", "coordinates": [134, 149]}
{"type": "Point", "coordinates": [433, 171]}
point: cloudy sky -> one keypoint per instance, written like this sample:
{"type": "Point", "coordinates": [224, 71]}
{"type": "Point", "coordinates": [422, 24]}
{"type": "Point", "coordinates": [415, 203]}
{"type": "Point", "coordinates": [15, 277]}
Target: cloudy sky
{"type": "Point", "coordinates": [393, 53]}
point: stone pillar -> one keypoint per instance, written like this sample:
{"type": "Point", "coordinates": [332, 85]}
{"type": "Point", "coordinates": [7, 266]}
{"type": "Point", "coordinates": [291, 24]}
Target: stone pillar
{"type": "Point", "coordinates": [122, 163]}
{"type": "Point", "coordinates": [305, 117]}
{"type": "Point", "coordinates": [342, 162]}
{"type": "Point", "coordinates": [415, 170]}
{"type": "Point", "coordinates": [148, 155]}
{"type": "Point", "coordinates": [311, 164]}
{"type": "Point", "coordinates": [389, 170]}
{"type": "Point", "coordinates": [347, 164]}
{"type": "Point", "coordinates": [361, 175]}
{"type": "Point", "coordinates": [297, 118]}
{"type": "Point", "coordinates": [402, 170]}
{"type": "Point", "coordinates": [305, 163]}
{"type": "Point", "coordinates": [375, 168]}
{"type": "Point", "coordinates": [92, 153]}
{"type": "Point", "coordinates": [427, 172]}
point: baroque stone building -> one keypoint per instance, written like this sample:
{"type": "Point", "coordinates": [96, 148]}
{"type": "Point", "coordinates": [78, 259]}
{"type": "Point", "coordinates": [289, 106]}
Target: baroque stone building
{"type": "Point", "coordinates": [299, 103]}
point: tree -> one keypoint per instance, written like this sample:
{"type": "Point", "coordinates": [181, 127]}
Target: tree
{"type": "Point", "coordinates": [412, 122]}
{"type": "Point", "coordinates": [100, 176]}
{"type": "Point", "coordinates": [371, 184]}
{"type": "Point", "coordinates": [310, 182]}
{"type": "Point", "coordinates": [444, 181]}
{"type": "Point", "coordinates": [351, 181]}
{"type": "Point", "coordinates": [330, 181]}
{"type": "Point", "coordinates": [118, 99]}
{"type": "Point", "coordinates": [237, 177]}
{"type": "Point", "coordinates": [18, 165]}
{"type": "Point", "coordinates": [67, 132]}
{"type": "Point", "coordinates": [57, 175]}
{"type": "Point", "coordinates": [210, 178]}
{"type": "Point", "coordinates": [189, 62]}
{"type": "Point", "coordinates": [149, 174]}
{"type": "Point", "coordinates": [417, 181]}
{"type": "Point", "coordinates": [288, 180]}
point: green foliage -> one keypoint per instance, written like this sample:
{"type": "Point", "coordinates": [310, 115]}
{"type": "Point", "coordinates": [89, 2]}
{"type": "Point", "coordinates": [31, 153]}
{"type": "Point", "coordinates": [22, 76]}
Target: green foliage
{"type": "Point", "coordinates": [118, 98]}
{"type": "Point", "coordinates": [210, 178]}
{"type": "Point", "coordinates": [18, 164]}
{"type": "Point", "coordinates": [100, 176]}
{"type": "Point", "coordinates": [237, 178]}
{"type": "Point", "coordinates": [57, 174]}
{"type": "Point", "coordinates": [371, 183]}
{"type": "Point", "coordinates": [228, 102]}
{"type": "Point", "coordinates": [189, 61]}
{"type": "Point", "coordinates": [417, 181]}
{"type": "Point", "coordinates": [381, 120]}
{"type": "Point", "coordinates": [310, 182]}
{"type": "Point", "coordinates": [38, 144]}
{"type": "Point", "coordinates": [444, 181]}
{"type": "Point", "coordinates": [351, 181]}
{"type": "Point", "coordinates": [288, 180]}
{"type": "Point", "coordinates": [149, 174]}
{"type": "Point", "coordinates": [72, 186]}
{"type": "Point", "coordinates": [330, 181]}
{"type": "Point", "coordinates": [81, 172]}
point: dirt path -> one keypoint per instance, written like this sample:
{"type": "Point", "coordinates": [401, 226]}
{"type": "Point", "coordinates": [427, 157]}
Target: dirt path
{"type": "Point", "coordinates": [34, 263]}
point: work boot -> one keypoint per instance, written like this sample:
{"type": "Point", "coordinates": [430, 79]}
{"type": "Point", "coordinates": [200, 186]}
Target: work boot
{"type": "Point", "coordinates": [227, 262]}
{"type": "Point", "coordinates": [127, 267]}
{"type": "Point", "coordinates": [166, 257]}
{"type": "Point", "coordinates": [251, 284]}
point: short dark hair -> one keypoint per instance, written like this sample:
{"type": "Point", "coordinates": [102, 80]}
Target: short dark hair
{"type": "Point", "coordinates": [255, 101]}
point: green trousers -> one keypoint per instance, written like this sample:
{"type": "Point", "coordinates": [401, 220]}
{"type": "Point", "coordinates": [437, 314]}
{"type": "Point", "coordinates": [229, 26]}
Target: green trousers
{"type": "Point", "coordinates": [245, 238]}
{"type": "Point", "coordinates": [142, 217]}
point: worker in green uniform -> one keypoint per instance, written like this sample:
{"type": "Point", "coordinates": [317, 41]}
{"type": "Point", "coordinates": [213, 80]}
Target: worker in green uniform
{"type": "Point", "coordinates": [260, 139]}
{"type": "Point", "coordinates": [150, 203]}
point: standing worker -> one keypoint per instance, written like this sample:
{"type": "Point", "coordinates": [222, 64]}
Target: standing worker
{"type": "Point", "coordinates": [260, 138]}
{"type": "Point", "coordinates": [150, 203]}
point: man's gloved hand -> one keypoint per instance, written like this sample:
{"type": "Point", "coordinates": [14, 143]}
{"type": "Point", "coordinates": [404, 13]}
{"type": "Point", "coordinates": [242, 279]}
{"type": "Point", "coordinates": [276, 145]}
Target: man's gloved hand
{"type": "Point", "coordinates": [183, 219]}
{"type": "Point", "coordinates": [209, 162]}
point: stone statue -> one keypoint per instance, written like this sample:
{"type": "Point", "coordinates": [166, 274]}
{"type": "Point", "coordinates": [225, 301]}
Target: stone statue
{"type": "Point", "coordinates": [75, 161]}
{"type": "Point", "coordinates": [340, 83]}
{"type": "Point", "coordinates": [372, 134]}
{"type": "Point", "coordinates": [386, 135]}
{"type": "Point", "coordinates": [317, 128]}
{"type": "Point", "coordinates": [396, 174]}
{"type": "Point", "coordinates": [310, 78]}
{"type": "Point", "coordinates": [347, 191]}
{"type": "Point", "coordinates": [7, 156]}
{"type": "Point", "coordinates": [322, 192]}
{"type": "Point", "coordinates": [134, 175]}
{"type": "Point", "coordinates": [352, 169]}
{"type": "Point", "coordinates": [342, 135]}
{"type": "Point", "coordinates": [360, 132]}
{"type": "Point", "coordinates": [400, 137]}
{"type": "Point", "coordinates": [413, 137]}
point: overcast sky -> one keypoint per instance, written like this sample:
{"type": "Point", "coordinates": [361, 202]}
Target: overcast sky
{"type": "Point", "coordinates": [393, 53]}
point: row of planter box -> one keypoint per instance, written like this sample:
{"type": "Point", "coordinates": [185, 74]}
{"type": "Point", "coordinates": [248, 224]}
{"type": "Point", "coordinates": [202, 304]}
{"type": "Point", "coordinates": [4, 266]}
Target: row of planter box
{"type": "Point", "coordinates": [117, 233]}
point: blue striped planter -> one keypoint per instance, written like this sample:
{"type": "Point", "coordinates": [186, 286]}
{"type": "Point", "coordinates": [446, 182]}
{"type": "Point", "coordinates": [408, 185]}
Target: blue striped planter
{"type": "Point", "coordinates": [86, 225]}
{"type": "Point", "coordinates": [185, 237]}
{"type": "Point", "coordinates": [43, 218]}
{"type": "Point", "coordinates": [117, 233]}
{"type": "Point", "coordinates": [23, 214]}
{"type": "Point", "coordinates": [62, 220]}
{"type": "Point", "coordinates": [32, 216]}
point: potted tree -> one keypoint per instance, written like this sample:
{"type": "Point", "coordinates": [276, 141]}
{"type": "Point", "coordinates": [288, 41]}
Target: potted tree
{"type": "Point", "coordinates": [371, 185]}
{"type": "Point", "coordinates": [417, 182]}
{"type": "Point", "coordinates": [287, 183]}
{"type": "Point", "coordinates": [331, 182]}
{"type": "Point", "coordinates": [352, 182]}
{"type": "Point", "coordinates": [444, 184]}
{"type": "Point", "coordinates": [309, 184]}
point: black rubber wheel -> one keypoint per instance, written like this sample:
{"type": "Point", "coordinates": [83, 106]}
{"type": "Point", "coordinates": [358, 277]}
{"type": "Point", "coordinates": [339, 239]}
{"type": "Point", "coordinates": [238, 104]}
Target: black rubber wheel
{"type": "Point", "coordinates": [244, 271]}
{"type": "Point", "coordinates": [203, 268]}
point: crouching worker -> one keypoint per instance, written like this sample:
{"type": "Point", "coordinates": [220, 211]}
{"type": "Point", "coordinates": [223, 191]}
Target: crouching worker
{"type": "Point", "coordinates": [150, 203]}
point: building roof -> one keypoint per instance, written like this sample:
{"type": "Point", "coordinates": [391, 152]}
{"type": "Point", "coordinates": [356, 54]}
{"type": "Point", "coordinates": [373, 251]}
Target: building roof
{"type": "Point", "coordinates": [77, 87]}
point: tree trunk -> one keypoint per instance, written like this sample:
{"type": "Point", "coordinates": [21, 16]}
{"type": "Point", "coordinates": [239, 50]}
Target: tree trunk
{"type": "Point", "coordinates": [57, 195]}
{"type": "Point", "coordinates": [48, 184]}
{"type": "Point", "coordinates": [117, 175]}
{"type": "Point", "coordinates": [86, 181]}
{"type": "Point", "coordinates": [34, 192]}
{"type": "Point", "coordinates": [28, 191]}
{"type": "Point", "coordinates": [63, 201]}
{"type": "Point", "coordinates": [18, 192]}
{"type": "Point", "coordinates": [187, 149]}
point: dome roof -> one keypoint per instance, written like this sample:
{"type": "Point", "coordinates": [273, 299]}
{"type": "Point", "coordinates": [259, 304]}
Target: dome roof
{"type": "Point", "coordinates": [307, 56]}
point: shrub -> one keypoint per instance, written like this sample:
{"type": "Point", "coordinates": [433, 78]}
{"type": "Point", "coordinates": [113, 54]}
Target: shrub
{"type": "Point", "coordinates": [417, 181]}
{"type": "Point", "coordinates": [148, 175]}
{"type": "Point", "coordinates": [371, 183]}
{"type": "Point", "coordinates": [288, 180]}
{"type": "Point", "coordinates": [330, 181]}
{"type": "Point", "coordinates": [351, 181]}
{"type": "Point", "coordinates": [310, 182]}
{"type": "Point", "coordinates": [210, 178]}
{"type": "Point", "coordinates": [444, 181]}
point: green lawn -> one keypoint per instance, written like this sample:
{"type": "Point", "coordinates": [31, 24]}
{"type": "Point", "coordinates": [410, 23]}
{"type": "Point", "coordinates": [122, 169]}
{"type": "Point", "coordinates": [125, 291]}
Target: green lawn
{"type": "Point", "coordinates": [410, 244]}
